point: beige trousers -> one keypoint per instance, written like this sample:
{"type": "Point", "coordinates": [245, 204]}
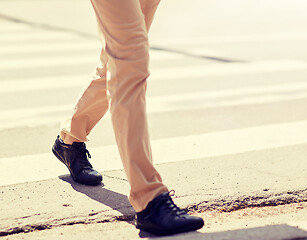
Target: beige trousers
{"type": "Point", "coordinates": [123, 26]}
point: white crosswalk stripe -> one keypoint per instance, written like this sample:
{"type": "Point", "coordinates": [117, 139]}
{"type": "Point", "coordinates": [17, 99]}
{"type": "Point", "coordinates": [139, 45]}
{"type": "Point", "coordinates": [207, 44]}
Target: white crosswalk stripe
{"type": "Point", "coordinates": [235, 39]}
{"type": "Point", "coordinates": [22, 39]}
{"type": "Point", "coordinates": [166, 150]}
{"type": "Point", "coordinates": [14, 28]}
{"type": "Point", "coordinates": [222, 69]}
{"type": "Point", "coordinates": [225, 69]}
{"type": "Point", "coordinates": [200, 100]}
{"type": "Point", "coordinates": [42, 47]}
{"type": "Point", "coordinates": [35, 62]}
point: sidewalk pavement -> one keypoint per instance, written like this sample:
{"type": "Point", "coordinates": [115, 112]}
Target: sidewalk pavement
{"type": "Point", "coordinates": [224, 183]}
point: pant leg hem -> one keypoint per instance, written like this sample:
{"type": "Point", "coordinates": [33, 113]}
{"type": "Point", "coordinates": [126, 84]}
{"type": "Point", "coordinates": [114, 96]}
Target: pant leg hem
{"type": "Point", "coordinates": [140, 200]}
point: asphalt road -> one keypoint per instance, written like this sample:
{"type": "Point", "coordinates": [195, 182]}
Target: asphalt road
{"type": "Point", "coordinates": [199, 49]}
{"type": "Point", "coordinates": [227, 79]}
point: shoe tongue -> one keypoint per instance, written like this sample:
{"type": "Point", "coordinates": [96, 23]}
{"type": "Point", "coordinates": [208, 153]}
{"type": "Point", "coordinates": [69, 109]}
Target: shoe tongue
{"type": "Point", "coordinates": [161, 197]}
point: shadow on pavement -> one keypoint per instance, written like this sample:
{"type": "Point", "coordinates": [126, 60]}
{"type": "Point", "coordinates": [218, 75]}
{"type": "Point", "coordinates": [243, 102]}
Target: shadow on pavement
{"type": "Point", "coordinates": [276, 232]}
{"type": "Point", "coordinates": [114, 200]}
{"type": "Point", "coordinates": [120, 203]}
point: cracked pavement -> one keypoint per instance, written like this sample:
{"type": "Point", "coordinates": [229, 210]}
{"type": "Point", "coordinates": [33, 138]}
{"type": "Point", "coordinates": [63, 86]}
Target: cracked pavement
{"type": "Point", "coordinates": [222, 184]}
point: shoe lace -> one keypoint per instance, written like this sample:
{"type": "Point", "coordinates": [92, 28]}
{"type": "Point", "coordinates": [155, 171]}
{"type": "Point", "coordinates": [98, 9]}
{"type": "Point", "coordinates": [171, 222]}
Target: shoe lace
{"type": "Point", "coordinates": [167, 203]}
{"type": "Point", "coordinates": [84, 155]}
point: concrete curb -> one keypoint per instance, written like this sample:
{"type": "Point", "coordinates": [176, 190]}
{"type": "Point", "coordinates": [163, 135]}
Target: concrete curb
{"type": "Point", "coordinates": [126, 213]}
{"type": "Point", "coordinates": [225, 183]}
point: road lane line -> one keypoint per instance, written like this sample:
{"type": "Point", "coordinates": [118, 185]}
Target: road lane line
{"type": "Point", "coordinates": [44, 166]}
{"type": "Point", "coordinates": [9, 28]}
{"type": "Point", "coordinates": [55, 118]}
{"type": "Point", "coordinates": [71, 60]}
{"type": "Point", "coordinates": [279, 92]}
{"type": "Point", "coordinates": [44, 62]}
{"type": "Point", "coordinates": [35, 36]}
{"type": "Point", "coordinates": [31, 48]}
{"type": "Point", "coordinates": [38, 116]}
{"type": "Point", "coordinates": [246, 38]}
{"type": "Point", "coordinates": [225, 69]}
{"type": "Point", "coordinates": [187, 72]}
{"type": "Point", "coordinates": [43, 83]}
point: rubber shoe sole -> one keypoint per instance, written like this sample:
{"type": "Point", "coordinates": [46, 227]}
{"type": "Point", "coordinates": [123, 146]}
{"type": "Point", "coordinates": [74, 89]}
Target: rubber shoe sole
{"type": "Point", "coordinates": [160, 232]}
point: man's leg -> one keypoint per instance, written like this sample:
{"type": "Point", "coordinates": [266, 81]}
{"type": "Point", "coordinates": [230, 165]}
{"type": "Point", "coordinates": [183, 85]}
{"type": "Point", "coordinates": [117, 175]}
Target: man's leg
{"type": "Point", "coordinates": [92, 104]}
{"type": "Point", "coordinates": [90, 107]}
{"type": "Point", "coordinates": [69, 147]}
{"type": "Point", "coordinates": [123, 26]}
{"type": "Point", "coordinates": [149, 8]}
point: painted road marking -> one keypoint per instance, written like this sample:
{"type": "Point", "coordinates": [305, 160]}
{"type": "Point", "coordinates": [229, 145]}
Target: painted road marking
{"type": "Point", "coordinates": [34, 36]}
{"type": "Point", "coordinates": [50, 47]}
{"type": "Point", "coordinates": [14, 27]}
{"type": "Point", "coordinates": [43, 83]}
{"type": "Point", "coordinates": [38, 116]}
{"type": "Point", "coordinates": [44, 166]}
{"type": "Point", "coordinates": [209, 70]}
{"type": "Point", "coordinates": [225, 69]}
{"type": "Point", "coordinates": [69, 61]}
{"type": "Point", "coordinates": [247, 38]}
{"type": "Point", "coordinates": [45, 62]}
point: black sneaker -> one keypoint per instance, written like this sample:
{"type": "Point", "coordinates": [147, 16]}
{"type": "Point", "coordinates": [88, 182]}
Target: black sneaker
{"type": "Point", "coordinates": [75, 157]}
{"type": "Point", "coordinates": [163, 217]}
